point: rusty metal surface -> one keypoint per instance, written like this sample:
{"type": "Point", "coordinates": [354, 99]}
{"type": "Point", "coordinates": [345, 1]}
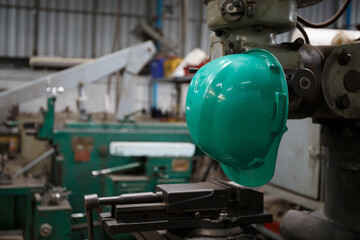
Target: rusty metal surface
{"type": "Point", "coordinates": [82, 147]}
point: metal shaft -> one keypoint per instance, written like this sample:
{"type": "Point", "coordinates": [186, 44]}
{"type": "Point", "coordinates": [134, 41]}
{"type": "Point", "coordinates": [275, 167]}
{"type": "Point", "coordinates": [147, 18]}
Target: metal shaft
{"type": "Point", "coordinates": [342, 175]}
{"type": "Point", "coordinates": [92, 202]}
{"type": "Point", "coordinates": [90, 225]}
{"type": "Point", "coordinates": [116, 169]}
{"type": "Point", "coordinates": [34, 163]}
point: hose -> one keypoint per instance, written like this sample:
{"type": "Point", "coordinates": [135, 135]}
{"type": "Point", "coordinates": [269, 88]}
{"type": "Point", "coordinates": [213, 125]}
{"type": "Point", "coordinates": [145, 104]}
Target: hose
{"type": "Point", "coordinates": [302, 30]}
{"type": "Point", "coordinates": [327, 22]}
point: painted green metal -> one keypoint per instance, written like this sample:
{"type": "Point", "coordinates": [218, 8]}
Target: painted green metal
{"type": "Point", "coordinates": [120, 184]}
{"type": "Point", "coordinates": [76, 175]}
{"type": "Point", "coordinates": [279, 15]}
{"type": "Point", "coordinates": [157, 171]}
{"type": "Point", "coordinates": [236, 111]}
{"type": "Point", "coordinates": [16, 206]}
{"type": "Point", "coordinates": [82, 147]}
{"type": "Point", "coordinates": [47, 128]}
{"type": "Point", "coordinates": [58, 217]}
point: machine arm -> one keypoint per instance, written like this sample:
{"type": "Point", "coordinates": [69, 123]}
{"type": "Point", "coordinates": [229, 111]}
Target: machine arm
{"type": "Point", "coordinates": [86, 73]}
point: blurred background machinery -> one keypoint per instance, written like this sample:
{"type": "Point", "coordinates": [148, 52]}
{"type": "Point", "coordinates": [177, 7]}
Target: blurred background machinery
{"type": "Point", "coordinates": [87, 155]}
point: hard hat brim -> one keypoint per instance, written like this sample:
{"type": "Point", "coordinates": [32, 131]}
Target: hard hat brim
{"type": "Point", "coordinates": [258, 176]}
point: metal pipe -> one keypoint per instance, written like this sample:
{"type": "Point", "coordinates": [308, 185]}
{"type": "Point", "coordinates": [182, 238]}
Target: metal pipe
{"type": "Point", "coordinates": [159, 11]}
{"type": "Point", "coordinates": [46, 36]}
{"type": "Point", "coordinates": [94, 22]}
{"type": "Point", "coordinates": [56, 62]}
{"type": "Point", "coordinates": [36, 27]}
{"type": "Point", "coordinates": [6, 30]}
{"type": "Point", "coordinates": [66, 32]}
{"type": "Point", "coordinates": [117, 91]}
{"type": "Point", "coordinates": [201, 15]}
{"type": "Point", "coordinates": [57, 23]}
{"type": "Point", "coordinates": [348, 16]}
{"type": "Point", "coordinates": [34, 163]}
{"type": "Point", "coordinates": [90, 225]}
{"type": "Point", "coordinates": [17, 20]}
{"type": "Point", "coordinates": [84, 40]}
{"type": "Point", "coordinates": [183, 19]}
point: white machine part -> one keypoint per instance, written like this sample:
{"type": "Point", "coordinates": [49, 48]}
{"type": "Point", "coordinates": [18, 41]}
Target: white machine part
{"type": "Point", "coordinates": [152, 149]}
{"type": "Point", "coordinates": [322, 36]}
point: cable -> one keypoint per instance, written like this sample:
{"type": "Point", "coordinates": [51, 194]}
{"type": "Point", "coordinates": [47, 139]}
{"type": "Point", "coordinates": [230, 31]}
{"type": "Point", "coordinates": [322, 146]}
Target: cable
{"type": "Point", "coordinates": [302, 30]}
{"type": "Point", "coordinates": [327, 22]}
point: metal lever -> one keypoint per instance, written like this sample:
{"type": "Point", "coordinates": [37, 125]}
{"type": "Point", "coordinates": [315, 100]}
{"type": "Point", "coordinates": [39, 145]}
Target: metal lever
{"type": "Point", "coordinates": [116, 169]}
{"type": "Point", "coordinates": [92, 201]}
{"type": "Point", "coordinates": [34, 163]}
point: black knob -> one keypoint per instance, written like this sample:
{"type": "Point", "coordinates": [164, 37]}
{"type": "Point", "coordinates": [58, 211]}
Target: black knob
{"type": "Point", "coordinates": [219, 33]}
{"type": "Point", "coordinates": [344, 58]}
{"type": "Point", "coordinates": [236, 3]}
{"type": "Point", "coordinates": [297, 44]}
{"type": "Point", "coordinates": [231, 45]}
{"type": "Point", "coordinates": [343, 102]}
{"type": "Point", "coordinates": [301, 82]}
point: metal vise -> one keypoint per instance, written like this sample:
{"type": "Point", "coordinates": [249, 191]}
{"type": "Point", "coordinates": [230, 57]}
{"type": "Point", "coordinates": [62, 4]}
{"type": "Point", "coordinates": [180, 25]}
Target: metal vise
{"type": "Point", "coordinates": [207, 209]}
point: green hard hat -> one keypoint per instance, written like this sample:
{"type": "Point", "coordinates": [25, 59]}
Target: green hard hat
{"type": "Point", "coordinates": [236, 111]}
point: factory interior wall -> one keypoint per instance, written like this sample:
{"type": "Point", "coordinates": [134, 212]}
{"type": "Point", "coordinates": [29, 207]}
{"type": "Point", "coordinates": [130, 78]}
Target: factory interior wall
{"type": "Point", "coordinates": [92, 29]}
{"type": "Point", "coordinates": [95, 93]}
{"type": "Point", "coordinates": [86, 29]}
{"type": "Point", "coordinates": [93, 35]}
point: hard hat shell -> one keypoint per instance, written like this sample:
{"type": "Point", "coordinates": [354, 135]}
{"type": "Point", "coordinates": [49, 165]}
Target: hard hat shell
{"type": "Point", "coordinates": [236, 111]}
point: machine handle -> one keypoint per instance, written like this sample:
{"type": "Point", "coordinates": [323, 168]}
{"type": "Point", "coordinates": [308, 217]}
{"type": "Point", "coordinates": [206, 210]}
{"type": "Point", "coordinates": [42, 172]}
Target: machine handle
{"type": "Point", "coordinates": [116, 169]}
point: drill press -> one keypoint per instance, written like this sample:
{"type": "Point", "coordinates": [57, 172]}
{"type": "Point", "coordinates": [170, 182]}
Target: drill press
{"type": "Point", "coordinates": [323, 83]}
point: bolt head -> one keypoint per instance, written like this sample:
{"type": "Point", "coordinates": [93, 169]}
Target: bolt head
{"type": "Point", "coordinates": [304, 83]}
{"type": "Point", "coordinates": [236, 3]}
{"type": "Point", "coordinates": [343, 102]}
{"type": "Point", "coordinates": [231, 45]}
{"type": "Point", "coordinates": [218, 33]}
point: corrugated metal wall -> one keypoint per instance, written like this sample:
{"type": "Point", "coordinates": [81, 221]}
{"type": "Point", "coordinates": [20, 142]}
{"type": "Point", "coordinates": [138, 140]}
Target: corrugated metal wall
{"type": "Point", "coordinates": [84, 28]}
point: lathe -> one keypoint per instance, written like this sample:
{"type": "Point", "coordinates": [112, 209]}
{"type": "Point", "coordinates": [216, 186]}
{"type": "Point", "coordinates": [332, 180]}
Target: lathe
{"type": "Point", "coordinates": [237, 106]}
{"type": "Point", "coordinates": [108, 157]}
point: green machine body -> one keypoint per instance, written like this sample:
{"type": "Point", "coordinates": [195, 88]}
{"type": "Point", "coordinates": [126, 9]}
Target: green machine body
{"type": "Point", "coordinates": [236, 112]}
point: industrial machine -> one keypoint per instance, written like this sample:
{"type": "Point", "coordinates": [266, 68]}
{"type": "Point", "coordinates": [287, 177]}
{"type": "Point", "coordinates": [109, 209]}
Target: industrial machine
{"type": "Point", "coordinates": [109, 158]}
{"type": "Point", "coordinates": [300, 81]}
